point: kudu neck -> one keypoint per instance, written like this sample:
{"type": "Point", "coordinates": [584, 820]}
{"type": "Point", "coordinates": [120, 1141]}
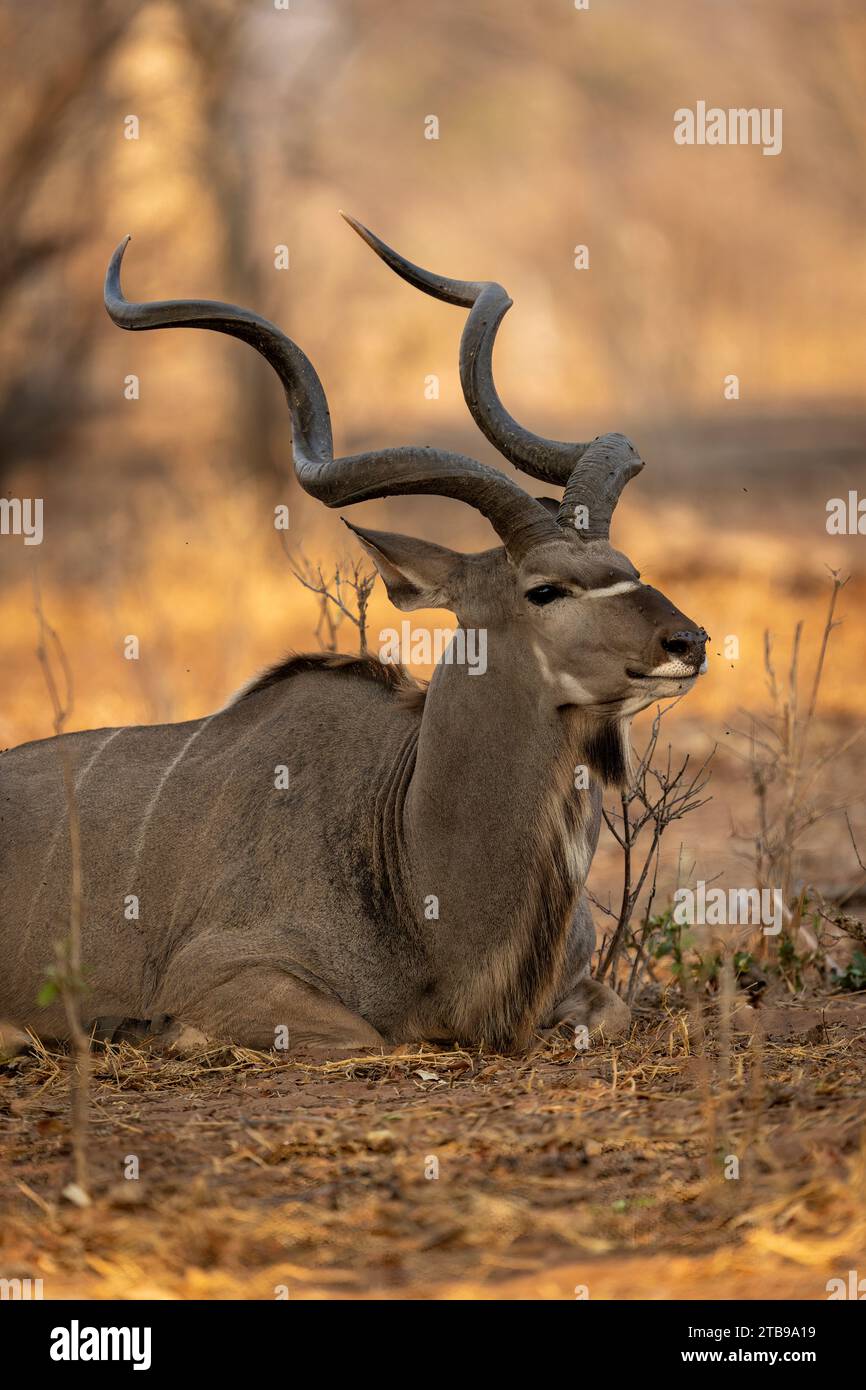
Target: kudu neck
{"type": "Point", "coordinates": [499, 831]}
{"type": "Point", "coordinates": [494, 764]}
{"type": "Point", "coordinates": [494, 743]}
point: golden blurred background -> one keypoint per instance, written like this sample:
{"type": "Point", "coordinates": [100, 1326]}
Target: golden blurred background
{"type": "Point", "coordinates": [253, 124]}
{"type": "Point", "coordinates": [555, 129]}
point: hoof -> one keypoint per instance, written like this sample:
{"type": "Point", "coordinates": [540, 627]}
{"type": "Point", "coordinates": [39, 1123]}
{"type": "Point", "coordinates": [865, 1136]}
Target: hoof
{"type": "Point", "coordinates": [12, 1042]}
{"type": "Point", "coordinates": [594, 1011]}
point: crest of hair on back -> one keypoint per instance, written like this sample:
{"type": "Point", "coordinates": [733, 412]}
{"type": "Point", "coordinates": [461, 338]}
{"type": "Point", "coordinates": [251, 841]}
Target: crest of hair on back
{"type": "Point", "coordinates": [409, 693]}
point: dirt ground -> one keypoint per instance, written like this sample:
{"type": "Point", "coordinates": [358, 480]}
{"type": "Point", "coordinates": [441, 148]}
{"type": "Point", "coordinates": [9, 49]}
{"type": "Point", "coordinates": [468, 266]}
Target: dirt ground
{"type": "Point", "coordinates": [443, 1174]}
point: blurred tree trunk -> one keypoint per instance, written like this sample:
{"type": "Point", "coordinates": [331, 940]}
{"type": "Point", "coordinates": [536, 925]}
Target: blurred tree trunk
{"type": "Point", "coordinates": [53, 85]}
{"type": "Point", "coordinates": [218, 34]}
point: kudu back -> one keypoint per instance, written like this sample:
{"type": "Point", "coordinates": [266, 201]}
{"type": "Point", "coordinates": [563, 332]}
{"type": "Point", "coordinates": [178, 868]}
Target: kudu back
{"type": "Point", "coordinates": [419, 871]}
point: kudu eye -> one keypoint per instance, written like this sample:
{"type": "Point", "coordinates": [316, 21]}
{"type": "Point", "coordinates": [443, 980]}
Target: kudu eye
{"type": "Point", "coordinates": [545, 593]}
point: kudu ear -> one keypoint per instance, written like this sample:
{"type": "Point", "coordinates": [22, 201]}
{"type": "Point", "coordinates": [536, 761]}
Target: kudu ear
{"type": "Point", "coordinates": [417, 574]}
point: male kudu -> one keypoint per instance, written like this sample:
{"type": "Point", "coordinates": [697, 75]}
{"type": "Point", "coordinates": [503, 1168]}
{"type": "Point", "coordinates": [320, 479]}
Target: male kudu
{"type": "Point", "coordinates": [309, 908]}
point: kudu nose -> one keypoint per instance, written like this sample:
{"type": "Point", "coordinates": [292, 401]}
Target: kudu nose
{"type": "Point", "coordinates": [687, 644]}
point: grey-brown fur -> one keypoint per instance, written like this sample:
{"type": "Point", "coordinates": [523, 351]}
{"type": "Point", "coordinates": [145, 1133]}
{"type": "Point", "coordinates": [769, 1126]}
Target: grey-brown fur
{"type": "Point", "coordinates": [310, 907]}
{"type": "Point", "coordinates": [244, 888]}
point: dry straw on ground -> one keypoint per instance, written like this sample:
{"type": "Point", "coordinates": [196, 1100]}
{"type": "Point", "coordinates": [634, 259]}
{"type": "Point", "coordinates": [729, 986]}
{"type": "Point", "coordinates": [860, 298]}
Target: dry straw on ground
{"type": "Point", "coordinates": [560, 1169]}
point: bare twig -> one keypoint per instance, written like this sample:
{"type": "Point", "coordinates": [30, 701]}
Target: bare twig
{"type": "Point", "coordinates": [655, 798]}
{"type": "Point", "coordinates": [67, 975]}
{"type": "Point", "coordinates": [333, 606]}
{"type": "Point", "coordinates": [784, 775]}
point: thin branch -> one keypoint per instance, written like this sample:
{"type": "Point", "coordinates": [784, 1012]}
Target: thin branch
{"type": "Point", "coordinates": [67, 975]}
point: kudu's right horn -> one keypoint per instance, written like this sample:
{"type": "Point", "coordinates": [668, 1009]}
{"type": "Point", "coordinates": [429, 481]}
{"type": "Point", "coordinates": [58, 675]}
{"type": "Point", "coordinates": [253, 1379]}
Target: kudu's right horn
{"type": "Point", "coordinates": [592, 474]}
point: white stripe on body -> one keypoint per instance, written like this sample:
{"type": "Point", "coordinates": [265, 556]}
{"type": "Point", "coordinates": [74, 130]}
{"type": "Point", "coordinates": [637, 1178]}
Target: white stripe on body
{"type": "Point", "coordinates": [55, 839]}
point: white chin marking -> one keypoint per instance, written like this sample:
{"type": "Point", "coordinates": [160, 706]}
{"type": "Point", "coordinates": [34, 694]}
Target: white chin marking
{"type": "Point", "coordinates": [636, 704]}
{"type": "Point", "coordinates": [625, 586]}
{"type": "Point", "coordinates": [573, 690]}
{"type": "Point", "coordinates": [672, 670]}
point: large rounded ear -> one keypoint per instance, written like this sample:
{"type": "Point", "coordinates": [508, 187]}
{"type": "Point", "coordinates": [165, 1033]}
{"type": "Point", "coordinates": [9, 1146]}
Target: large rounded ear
{"type": "Point", "coordinates": [417, 574]}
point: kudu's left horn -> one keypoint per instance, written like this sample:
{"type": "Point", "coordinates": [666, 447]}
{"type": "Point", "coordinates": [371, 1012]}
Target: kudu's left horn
{"type": "Point", "coordinates": [521, 521]}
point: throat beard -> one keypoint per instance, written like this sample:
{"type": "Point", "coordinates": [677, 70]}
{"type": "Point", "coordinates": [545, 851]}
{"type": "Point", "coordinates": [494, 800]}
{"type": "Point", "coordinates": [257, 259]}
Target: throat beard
{"type": "Point", "coordinates": [605, 749]}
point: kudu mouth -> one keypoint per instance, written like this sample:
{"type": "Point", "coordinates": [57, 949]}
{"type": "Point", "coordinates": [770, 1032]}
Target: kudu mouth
{"type": "Point", "coordinates": [673, 671]}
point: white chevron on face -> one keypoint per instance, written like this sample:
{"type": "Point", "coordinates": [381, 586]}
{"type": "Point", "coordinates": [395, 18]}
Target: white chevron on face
{"type": "Point", "coordinates": [625, 586]}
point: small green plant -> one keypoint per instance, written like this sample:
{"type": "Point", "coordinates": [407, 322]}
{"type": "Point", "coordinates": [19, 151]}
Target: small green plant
{"type": "Point", "coordinates": [789, 962]}
{"type": "Point", "coordinates": [49, 990]}
{"type": "Point", "coordinates": [60, 976]}
{"type": "Point", "coordinates": [668, 940]}
{"type": "Point", "coordinates": [854, 976]}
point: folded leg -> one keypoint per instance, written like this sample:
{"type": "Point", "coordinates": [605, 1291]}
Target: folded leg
{"type": "Point", "coordinates": [262, 1007]}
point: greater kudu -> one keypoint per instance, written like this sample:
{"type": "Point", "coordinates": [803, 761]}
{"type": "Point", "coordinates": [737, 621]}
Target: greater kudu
{"type": "Point", "coordinates": [307, 907]}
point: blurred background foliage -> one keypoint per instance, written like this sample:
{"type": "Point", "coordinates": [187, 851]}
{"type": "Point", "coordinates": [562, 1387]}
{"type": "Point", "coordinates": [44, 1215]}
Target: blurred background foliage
{"type": "Point", "coordinates": [556, 129]}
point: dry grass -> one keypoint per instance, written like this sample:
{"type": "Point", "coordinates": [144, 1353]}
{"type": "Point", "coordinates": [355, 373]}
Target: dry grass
{"type": "Point", "coordinates": [554, 1170]}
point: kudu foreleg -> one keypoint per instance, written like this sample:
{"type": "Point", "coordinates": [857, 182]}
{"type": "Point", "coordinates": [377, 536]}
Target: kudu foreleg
{"type": "Point", "coordinates": [592, 1008]}
{"type": "Point", "coordinates": [585, 1005]}
{"type": "Point", "coordinates": [262, 1007]}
